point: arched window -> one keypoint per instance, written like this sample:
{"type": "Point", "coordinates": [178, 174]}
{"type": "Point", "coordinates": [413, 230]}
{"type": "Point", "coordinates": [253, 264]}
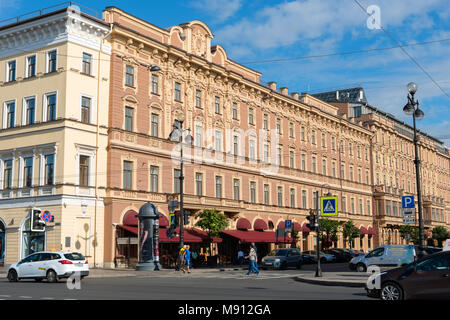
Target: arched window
{"type": "Point", "coordinates": [31, 241]}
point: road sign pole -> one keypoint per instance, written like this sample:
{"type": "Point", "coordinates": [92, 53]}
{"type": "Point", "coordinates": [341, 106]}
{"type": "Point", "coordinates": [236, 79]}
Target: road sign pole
{"type": "Point", "coordinates": [318, 269]}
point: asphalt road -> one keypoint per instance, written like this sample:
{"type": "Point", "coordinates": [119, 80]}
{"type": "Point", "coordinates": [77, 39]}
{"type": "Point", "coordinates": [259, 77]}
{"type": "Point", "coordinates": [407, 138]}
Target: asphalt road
{"type": "Point", "coordinates": [231, 285]}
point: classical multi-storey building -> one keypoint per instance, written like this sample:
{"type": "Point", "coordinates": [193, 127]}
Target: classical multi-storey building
{"type": "Point", "coordinates": [88, 106]}
{"type": "Point", "coordinates": [393, 169]}
{"type": "Point", "coordinates": [54, 85]}
{"type": "Point", "coordinates": [256, 179]}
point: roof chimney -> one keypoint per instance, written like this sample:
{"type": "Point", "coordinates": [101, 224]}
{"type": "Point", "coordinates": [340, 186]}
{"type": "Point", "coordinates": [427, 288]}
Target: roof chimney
{"type": "Point", "coordinates": [273, 86]}
{"type": "Point", "coordinates": [284, 91]}
{"type": "Point", "coordinates": [294, 95]}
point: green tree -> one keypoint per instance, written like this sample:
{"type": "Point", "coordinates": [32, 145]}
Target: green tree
{"type": "Point", "coordinates": [440, 234]}
{"type": "Point", "coordinates": [350, 232]}
{"type": "Point", "coordinates": [411, 232]}
{"type": "Point", "coordinates": [212, 222]}
{"type": "Point", "coordinates": [328, 232]}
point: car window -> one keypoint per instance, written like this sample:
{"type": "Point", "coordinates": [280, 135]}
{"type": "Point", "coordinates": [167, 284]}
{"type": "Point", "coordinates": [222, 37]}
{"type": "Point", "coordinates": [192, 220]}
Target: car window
{"type": "Point", "coordinates": [74, 256]}
{"type": "Point", "coordinates": [55, 256]}
{"type": "Point", "coordinates": [44, 256]}
{"type": "Point", "coordinates": [33, 258]}
{"type": "Point", "coordinates": [376, 253]}
{"type": "Point", "coordinates": [294, 253]}
{"type": "Point", "coordinates": [439, 262]}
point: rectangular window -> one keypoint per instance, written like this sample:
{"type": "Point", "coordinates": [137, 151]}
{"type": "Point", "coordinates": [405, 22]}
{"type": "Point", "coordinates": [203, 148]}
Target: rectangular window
{"type": "Point", "coordinates": [313, 137]}
{"type": "Point", "coordinates": [292, 196]}
{"type": "Point", "coordinates": [302, 133]}
{"type": "Point", "coordinates": [127, 175]}
{"type": "Point", "coordinates": [85, 109]}
{"type": "Point", "coordinates": [235, 145]}
{"type": "Point", "coordinates": [28, 172]}
{"type": "Point", "coordinates": [177, 92]}
{"type": "Point", "coordinates": [198, 140]}
{"type": "Point", "coordinates": [344, 204]}
{"type": "Point", "coordinates": [176, 180]}
{"type": "Point", "coordinates": [291, 130]}
{"type": "Point", "coordinates": [314, 198]}
{"type": "Point", "coordinates": [266, 122]}
{"type": "Point", "coordinates": [351, 173]}
{"type": "Point", "coordinates": [342, 171]}
{"type": "Point", "coordinates": [236, 189]}
{"type": "Point", "coordinates": [266, 153]}
{"type": "Point", "coordinates": [279, 156]}
{"type": "Point", "coordinates": [10, 114]}
{"type": "Point", "coordinates": [291, 159]}
{"type": "Point", "coordinates": [388, 207]}
{"type": "Point", "coordinates": [31, 66]}
{"type": "Point", "coordinates": [333, 169]}
{"type": "Point", "coordinates": [361, 211]}
{"type": "Point", "coordinates": [199, 184]}
{"type": "Point", "coordinates": [30, 109]}
{"type": "Point", "coordinates": [303, 162]}
{"type": "Point", "coordinates": [87, 63]}
{"type": "Point", "coordinates": [359, 176]}
{"type": "Point", "coordinates": [313, 164]}
{"type": "Point", "coordinates": [129, 119]}
{"type": "Point", "coordinates": [323, 141]}
{"type": "Point", "coordinates": [324, 167]}
{"type": "Point", "coordinates": [333, 143]}
{"type": "Point", "coordinates": [218, 187]}
{"type": "Point", "coordinates": [49, 170]}
{"type": "Point", "coordinates": [155, 84]}
{"type": "Point", "coordinates": [11, 71]}
{"type": "Point", "coordinates": [252, 192]}
{"type": "Point", "coordinates": [51, 61]}
{"type": "Point", "coordinates": [278, 126]}
{"type": "Point", "coordinates": [154, 125]}
{"type": "Point", "coordinates": [129, 76]}
{"type": "Point", "coordinates": [304, 199]}
{"type": "Point", "coordinates": [235, 111]}
{"type": "Point", "coordinates": [280, 196]}
{"type": "Point", "coordinates": [198, 99]}
{"type": "Point", "coordinates": [367, 177]}
{"type": "Point", "coordinates": [266, 194]}
{"type": "Point", "coordinates": [218, 141]}
{"type": "Point", "coordinates": [352, 203]}
{"type": "Point", "coordinates": [7, 174]}
{"type": "Point", "coordinates": [217, 105]}
{"type": "Point", "coordinates": [250, 116]}
{"type": "Point", "coordinates": [84, 171]}
{"type": "Point", "coordinates": [51, 107]}
{"type": "Point", "coordinates": [154, 177]}
{"type": "Point", "coordinates": [368, 207]}
{"type": "Point", "coordinates": [252, 150]}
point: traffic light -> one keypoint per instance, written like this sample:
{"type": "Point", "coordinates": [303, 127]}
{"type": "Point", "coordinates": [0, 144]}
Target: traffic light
{"type": "Point", "coordinates": [37, 224]}
{"type": "Point", "coordinates": [312, 221]}
{"type": "Point", "coordinates": [187, 214]}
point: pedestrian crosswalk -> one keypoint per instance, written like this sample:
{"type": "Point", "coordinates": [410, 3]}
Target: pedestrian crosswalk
{"type": "Point", "coordinates": [239, 275]}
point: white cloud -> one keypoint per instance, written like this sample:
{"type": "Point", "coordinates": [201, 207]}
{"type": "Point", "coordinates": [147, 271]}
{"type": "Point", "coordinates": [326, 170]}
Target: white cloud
{"type": "Point", "coordinates": [221, 10]}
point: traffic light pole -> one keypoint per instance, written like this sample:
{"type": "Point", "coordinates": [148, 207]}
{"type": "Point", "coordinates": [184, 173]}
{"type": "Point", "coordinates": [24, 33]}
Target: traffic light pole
{"type": "Point", "coordinates": [318, 269]}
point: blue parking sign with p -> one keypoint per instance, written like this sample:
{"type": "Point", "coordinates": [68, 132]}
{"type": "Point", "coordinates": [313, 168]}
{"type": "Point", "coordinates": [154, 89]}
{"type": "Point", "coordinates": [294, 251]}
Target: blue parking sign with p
{"type": "Point", "coordinates": [408, 202]}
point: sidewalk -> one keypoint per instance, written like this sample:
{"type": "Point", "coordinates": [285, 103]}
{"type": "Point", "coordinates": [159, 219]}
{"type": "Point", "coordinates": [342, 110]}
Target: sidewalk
{"type": "Point", "coordinates": [342, 279]}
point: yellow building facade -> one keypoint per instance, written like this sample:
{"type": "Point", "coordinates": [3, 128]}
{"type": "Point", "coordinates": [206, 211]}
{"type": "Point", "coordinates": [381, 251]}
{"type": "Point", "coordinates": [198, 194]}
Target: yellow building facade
{"type": "Point", "coordinates": [54, 93]}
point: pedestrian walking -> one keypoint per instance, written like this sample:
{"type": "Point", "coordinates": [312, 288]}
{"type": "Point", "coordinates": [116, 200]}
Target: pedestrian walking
{"type": "Point", "coordinates": [181, 261]}
{"type": "Point", "coordinates": [253, 258]}
{"type": "Point", "coordinates": [187, 258]}
{"type": "Point", "coordinates": [240, 257]}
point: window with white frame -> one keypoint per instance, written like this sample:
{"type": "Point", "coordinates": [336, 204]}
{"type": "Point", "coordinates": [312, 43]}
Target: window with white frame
{"type": "Point", "coordinates": [218, 141]}
{"type": "Point", "coordinates": [49, 169]}
{"type": "Point", "coordinates": [7, 174]}
{"type": "Point", "coordinates": [199, 184]}
{"type": "Point", "coordinates": [11, 71]}
{"type": "Point", "coordinates": [30, 110]}
{"type": "Point", "coordinates": [177, 92]}
{"type": "Point", "coordinates": [252, 192]}
{"type": "Point", "coordinates": [31, 66]}
{"type": "Point", "coordinates": [9, 114]}
{"type": "Point", "coordinates": [52, 63]}
{"type": "Point", "coordinates": [198, 99]}
{"type": "Point", "coordinates": [266, 194]}
{"type": "Point", "coordinates": [129, 76]}
{"type": "Point", "coordinates": [84, 170]}
{"type": "Point", "coordinates": [154, 177]}
{"type": "Point", "coordinates": [155, 84]}
{"type": "Point", "coordinates": [27, 178]}
{"type": "Point", "coordinates": [86, 103]}
{"type": "Point", "coordinates": [154, 125]}
{"type": "Point", "coordinates": [50, 107]}
{"type": "Point", "coordinates": [87, 64]}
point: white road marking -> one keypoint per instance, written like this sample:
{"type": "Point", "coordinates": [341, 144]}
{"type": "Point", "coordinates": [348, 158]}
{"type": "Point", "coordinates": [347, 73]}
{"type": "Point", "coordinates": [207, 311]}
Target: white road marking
{"type": "Point", "coordinates": [25, 297]}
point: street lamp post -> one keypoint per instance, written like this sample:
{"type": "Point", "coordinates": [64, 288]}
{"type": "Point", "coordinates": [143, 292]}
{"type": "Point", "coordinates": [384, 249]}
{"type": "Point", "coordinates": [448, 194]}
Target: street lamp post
{"type": "Point", "coordinates": [412, 108]}
{"type": "Point", "coordinates": [177, 136]}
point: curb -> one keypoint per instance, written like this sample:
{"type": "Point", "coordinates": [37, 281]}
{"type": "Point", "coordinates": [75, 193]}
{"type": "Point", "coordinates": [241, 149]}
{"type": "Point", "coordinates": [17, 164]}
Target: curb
{"type": "Point", "coordinates": [332, 283]}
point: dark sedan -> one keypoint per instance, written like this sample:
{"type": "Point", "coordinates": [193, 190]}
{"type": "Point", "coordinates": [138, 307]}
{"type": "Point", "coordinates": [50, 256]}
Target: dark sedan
{"type": "Point", "coordinates": [342, 255]}
{"type": "Point", "coordinates": [427, 278]}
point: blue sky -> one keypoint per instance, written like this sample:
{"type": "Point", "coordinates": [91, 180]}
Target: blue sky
{"type": "Point", "coordinates": [252, 31]}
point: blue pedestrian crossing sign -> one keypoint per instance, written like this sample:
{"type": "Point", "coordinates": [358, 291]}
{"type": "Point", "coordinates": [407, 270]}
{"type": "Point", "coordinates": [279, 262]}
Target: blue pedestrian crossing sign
{"type": "Point", "coordinates": [328, 206]}
{"type": "Point", "coordinates": [408, 202]}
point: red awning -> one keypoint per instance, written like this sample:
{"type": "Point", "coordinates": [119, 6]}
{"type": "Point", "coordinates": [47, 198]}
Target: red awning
{"type": "Point", "coordinates": [129, 228]}
{"type": "Point", "coordinates": [297, 227]}
{"type": "Point", "coordinates": [372, 231]}
{"type": "Point", "coordinates": [190, 236]}
{"type": "Point", "coordinates": [363, 230]}
{"type": "Point", "coordinates": [129, 219]}
{"type": "Point", "coordinates": [305, 229]}
{"type": "Point", "coordinates": [260, 224]}
{"type": "Point", "coordinates": [243, 224]}
{"type": "Point", "coordinates": [163, 221]}
{"type": "Point", "coordinates": [257, 236]}
{"type": "Point", "coordinates": [204, 235]}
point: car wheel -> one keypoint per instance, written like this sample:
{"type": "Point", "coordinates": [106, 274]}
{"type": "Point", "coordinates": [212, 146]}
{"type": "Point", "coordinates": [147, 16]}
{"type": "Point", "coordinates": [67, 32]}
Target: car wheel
{"type": "Point", "coordinates": [360, 267]}
{"type": "Point", "coordinates": [391, 291]}
{"type": "Point", "coordinates": [12, 276]}
{"type": "Point", "coordinates": [51, 276]}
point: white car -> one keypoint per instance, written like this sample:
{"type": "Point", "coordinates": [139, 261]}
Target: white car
{"type": "Point", "coordinates": [49, 265]}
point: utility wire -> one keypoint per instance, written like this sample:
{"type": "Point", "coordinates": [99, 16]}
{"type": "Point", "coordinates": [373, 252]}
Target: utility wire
{"type": "Point", "coordinates": [406, 52]}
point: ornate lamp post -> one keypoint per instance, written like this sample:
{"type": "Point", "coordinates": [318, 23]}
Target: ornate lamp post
{"type": "Point", "coordinates": [412, 108]}
{"type": "Point", "coordinates": [178, 135]}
